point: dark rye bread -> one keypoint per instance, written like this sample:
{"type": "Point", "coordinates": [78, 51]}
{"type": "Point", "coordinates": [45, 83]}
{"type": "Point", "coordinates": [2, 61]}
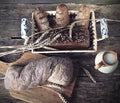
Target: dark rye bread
{"type": "Point", "coordinates": [84, 15]}
{"type": "Point", "coordinates": [62, 15]}
{"type": "Point", "coordinates": [41, 19]}
{"type": "Point", "coordinates": [51, 69]}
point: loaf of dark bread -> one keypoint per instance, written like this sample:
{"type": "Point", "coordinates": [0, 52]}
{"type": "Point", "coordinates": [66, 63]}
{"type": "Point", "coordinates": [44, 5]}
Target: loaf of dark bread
{"type": "Point", "coordinates": [41, 19]}
{"type": "Point", "coordinates": [52, 69]}
{"type": "Point", "coordinates": [84, 15]}
{"type": "Point", "coordinates": [62, 15]}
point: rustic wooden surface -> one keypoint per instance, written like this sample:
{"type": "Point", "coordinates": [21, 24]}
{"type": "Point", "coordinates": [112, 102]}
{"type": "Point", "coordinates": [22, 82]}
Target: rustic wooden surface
{"type": "Point", "coordinates": [63, 1]}
{"type": "Point", "coordinates": [107, 89]}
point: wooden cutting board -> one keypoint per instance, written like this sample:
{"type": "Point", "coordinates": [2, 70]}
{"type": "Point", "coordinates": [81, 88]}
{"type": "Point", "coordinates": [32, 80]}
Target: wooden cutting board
{"type": "Point", "coordinates": [38, 94]}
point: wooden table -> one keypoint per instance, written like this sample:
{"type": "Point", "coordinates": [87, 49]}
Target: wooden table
{"type": "Point", "coordinates": [107, 89]}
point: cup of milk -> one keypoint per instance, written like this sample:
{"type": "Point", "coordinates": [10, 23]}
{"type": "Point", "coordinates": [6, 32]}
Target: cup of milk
{"type": "Point", "coordinates": [106, 61]}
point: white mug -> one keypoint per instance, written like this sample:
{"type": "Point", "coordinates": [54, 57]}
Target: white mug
{"type": "Point", "coordinates": [106, 61]}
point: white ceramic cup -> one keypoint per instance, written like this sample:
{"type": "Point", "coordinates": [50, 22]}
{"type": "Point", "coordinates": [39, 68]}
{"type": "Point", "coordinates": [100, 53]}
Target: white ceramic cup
{"type": "Point", "coordinates": [106, 61]}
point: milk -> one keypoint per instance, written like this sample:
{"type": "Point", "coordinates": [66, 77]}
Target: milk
{"type": "Point", "coordinates": [109, 58]}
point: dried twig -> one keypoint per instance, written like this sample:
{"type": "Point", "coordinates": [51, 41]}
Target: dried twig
{"type": "Point", "coordinates": [9, 52]}
{"type": "Point", "coordinates": [35, 45]}
{"type": "Point", "coordinates": [89, 75]}
{"type": "Point", "coordinates": [49, 48]}
{"type": "Point", "coordinates": [9, 47]}
{"type": "Point", "coordinates": [41, 37]}
{"type": "Point", "coordinates": [71, 28]}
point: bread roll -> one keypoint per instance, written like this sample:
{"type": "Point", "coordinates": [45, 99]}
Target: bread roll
{"type": "Point", "coordinates": [84, 15]}
{"type": "Point", "coordinates": [62, 15]}
{"type": "Point", "coordinates": [41, 19]}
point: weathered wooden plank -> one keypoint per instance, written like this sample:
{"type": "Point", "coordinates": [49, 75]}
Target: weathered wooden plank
{"type": "Point", "coordinates": [16, 11]}
{"type": "Point", "coordinates": [108, 11]}
{"type": "Point", "coordinates": [105, 90]}
{"type": "Point", "coordinates": [4, 41]}
{"type": "Point", "coordinates": [10, 24]}
{"type": "Point", "coordinates": [109, 44]}
{"type": "Point", "coordinates": [62, 1]}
